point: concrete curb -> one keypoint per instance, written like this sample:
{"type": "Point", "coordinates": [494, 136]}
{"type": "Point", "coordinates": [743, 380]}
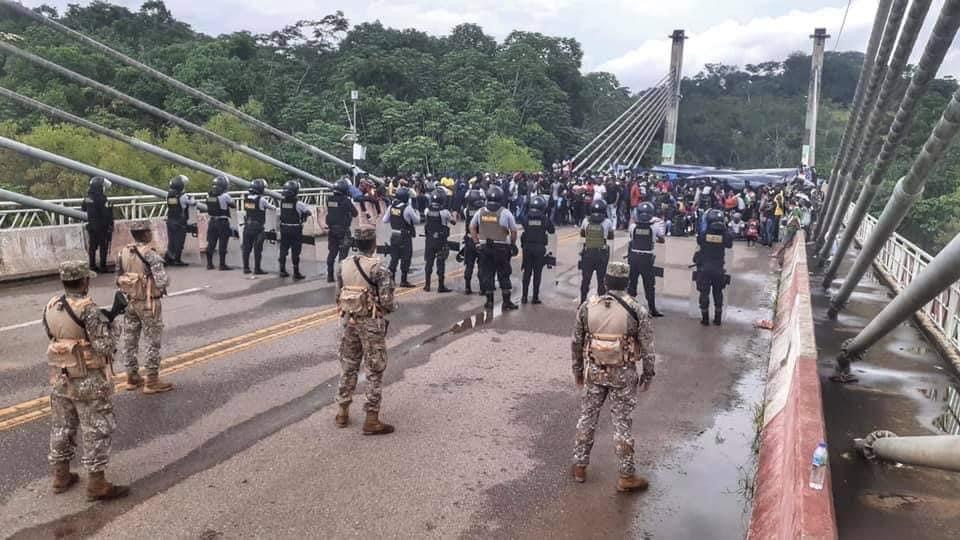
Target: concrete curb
{"type": "Point", "coordinates": [784, 506]}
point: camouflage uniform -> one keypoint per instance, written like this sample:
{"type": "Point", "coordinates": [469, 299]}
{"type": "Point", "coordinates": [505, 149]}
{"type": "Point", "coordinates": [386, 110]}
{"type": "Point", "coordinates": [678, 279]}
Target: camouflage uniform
{"type": "Point", "coordinates": [84, 402]}
{"type": "Point", "coordinates": [363, 339]}
{"type": "Point", "coordinates": [619, 383]}
{"type": "Point", "coordinates": [144, 315]}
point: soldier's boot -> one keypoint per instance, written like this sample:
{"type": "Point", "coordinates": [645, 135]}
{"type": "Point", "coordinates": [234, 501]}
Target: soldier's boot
{"type": "Point", "coordinates": [223, 263]}
{"type": "Point", "coordinates": [489, 303]}
{"type": "Point", "coordinates": [717, 316]}
{"type": "Point", "coordinates": [98, 489]}
{"type": "Point", "coordinates": [373, 426]}
{"type": "Point", "coordinates": [63, 479]}
{"type": "Point", "coordinates": [343, 416]}
{"type": "Point", "coordinates": [631, 482]}
{"type": "Point", "coordinates": [155, 386]}
{"type": "Point", "coordinates": [507, 302]}
{"type": "Point", "coordinates": [580, 473]}
{"type": "Point", "coordinates": [426, 284]}
{"type": "Point", "coordinates": [404, 283]}
{"type": "Point", "coordinates": [246, 265]}
{"type": "Point", "coordinates": [441, 287]}
{"type": "Point", "coordinates": [704, 317]}
{"type": "Point", "coordinates": [283, 268]}
{"type": "Point", "coordinates": [653, 309]}
{"type": "Point", "coordinates": [536, 300]}
{"type": "Point", "coordinates": [209, 261]}
{"type": "Point", "coordinates": [296, 273]}
{"type": "Point", "coordinates": [467, 290]}
{"type": "Point", "coordinates": [258, 265]}
{"type": "Point", "coordinates": [134, 381]}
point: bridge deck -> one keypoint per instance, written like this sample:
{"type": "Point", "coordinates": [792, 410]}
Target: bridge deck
{"type": "Point", "coordinates": [484, 405]}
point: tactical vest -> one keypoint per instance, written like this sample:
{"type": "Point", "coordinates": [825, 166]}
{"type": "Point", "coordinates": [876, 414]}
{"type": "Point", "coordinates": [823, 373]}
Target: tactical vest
{"type": "Point", "coordinates": [358, 298]}
{"type": "Point", "coordinates": [213, 207]}
{"type": "Point", "coordinates": [289, 216]}
{"type": "Point", "coordinates": [135, 281]}
{"type": "Point", "coordinates": [397, 222]}
{"type": "Point", "coordinates": [490, 227]}
{"type": "Point", "coordinates": [251, 206]}
{"type": "Point", "coordinates": [607, 342]}
{"type": "Point", "coordinates": [594, 237]}
{"type": "Point", "coordinates": [712, 248]}
{"type": "Point", "coordinates": [175, 212]}
{"type": "Point", "coordinates": [642, 239]}
{"type": "Point", "coordinates": [338, 213]}
{"type": "Point", "coordinates": [535, 231]}
{"type": "Point", "coordinates": [468, 213]}
{"type": "Point", "coordinates": [434, 226]}
{"type": "Point", "coordinates": [69, 351]}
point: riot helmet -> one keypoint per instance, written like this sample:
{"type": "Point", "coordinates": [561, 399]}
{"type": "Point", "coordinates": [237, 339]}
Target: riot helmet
{"type": "Point", "coordinates": [475, 199]}
{"type": "Point", "coordinates": [99, 184]}
{"type": "Point", "coordinates": [291, 189]}
{"type": "Point", "coordinates": [494, 198]}
{"type": "Point", "coordinates": [403, 195]}
{"type": "Point", "coordinates": [598, 211]}
{"type": "Point", "coordinates": [220, 185]}
{"type": "Point", "coordinates": [645, 213]}
{"type": "Point", "coordinates": [342, 186]}
{"type": "Point", "coordinates": [258, 186]}
{"type": "Point", "coordinates": [715, 221]}
{"type": "Point", "coordinates": [179, 183]}
{"type": "Point", "coordinates": [538, 206]}
{"type": "Point", "coordinates": [438, 199]}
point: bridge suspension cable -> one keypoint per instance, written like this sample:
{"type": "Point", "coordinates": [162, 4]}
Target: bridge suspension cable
{"type": "Point", "coordinates": [209, 100]}
{"type": "Point", "coordinates": [657, 120]}
{"type": "Point", "coordinates": [627, 136]}
{"type": "Point", "coordinates": [639, 132]}
{"type": "Point", "coordinates": [160, 113]}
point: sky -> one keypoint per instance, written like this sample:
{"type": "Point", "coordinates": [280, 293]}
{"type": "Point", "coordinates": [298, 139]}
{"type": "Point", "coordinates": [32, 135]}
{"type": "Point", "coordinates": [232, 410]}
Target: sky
{"type": "Point", "coordinates": [626, 37]}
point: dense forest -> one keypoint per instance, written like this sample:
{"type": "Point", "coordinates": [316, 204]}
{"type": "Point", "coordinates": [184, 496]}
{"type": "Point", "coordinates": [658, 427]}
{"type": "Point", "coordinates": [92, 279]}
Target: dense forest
{"type": "Point", "coordinates": [457, 103]}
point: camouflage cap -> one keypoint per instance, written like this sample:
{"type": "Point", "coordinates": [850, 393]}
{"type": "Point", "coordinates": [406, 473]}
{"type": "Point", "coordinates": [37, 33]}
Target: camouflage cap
{"type": "Point", "coordinates": [140, 225]}
{"type": "Point", "coordinates": [365, 232]}
{"type": "Point", "coordinates": [618, 270]}
{"type": "Point", "coordinates": [74, 270]}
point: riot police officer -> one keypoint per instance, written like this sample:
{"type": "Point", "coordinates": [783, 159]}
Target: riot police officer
{"type": "Point", "coordinates": [255, 206]}
{"type": "Point", "coordinates": [536, 227]}
{"type": "Point", "coordinates": [641, 257]}
{"type": "Point", "coordinates": [437, 221]}
{"type": "Point", "coordinates": [475, 200]}
{"type": "Point", "coordinates": [494, 231]}
{"type": "Point", "coordinates": [340, 214]}
{"type": "Point", "coordinates": [219, 204]}
{"type": "Point", "coordinates": [292, 215]}
{"type": "Point", "coordinates": [596, 230]}
{"type": "Point", "coordinates": [178, 204]}
{"type": "Point", "coordinates": [99, 222]}
{"type": "Point", "coordinates": [402, 218]}
{"type": "Point", "coordinates": [711, 276]}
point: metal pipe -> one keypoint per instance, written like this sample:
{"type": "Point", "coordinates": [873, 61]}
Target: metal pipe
{"type": "Point", "coordinates": [629, 136]}
{"type": "Point", "coordinates": [860, 138]}
{"type": "Point", "coordinates": [605, 146]}
{"type": "Point", "coordinates": [936, 49]}
{"type": "Point", "coordinates": [905, 193]}
{"type": "Point", "coordinates": [136, 143]}
{"type": "Point", "coordinates": [937, 451]}
{"type": "Point", "coordinates": [869, 59]}
{"type": "Point", "coordinates": [643, 142]}
{"type": "Point", "coordinates": [22, 10]}
{"type": "Point", "coordinates": [160, 113]}
{"type": "Point", "coordinates": [669, 151]}
{"type": "Point", "coordinates": [40, 204]}
{"type": "Point", "coordinates": [611, 124]}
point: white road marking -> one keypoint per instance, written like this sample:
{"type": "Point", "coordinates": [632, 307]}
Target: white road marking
{"type": "Point", "coordinates": [21, 325]}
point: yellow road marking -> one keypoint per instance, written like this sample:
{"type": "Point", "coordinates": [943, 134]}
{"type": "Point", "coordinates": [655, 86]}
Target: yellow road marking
{"type": "Point", "coordinates": [34, 409]}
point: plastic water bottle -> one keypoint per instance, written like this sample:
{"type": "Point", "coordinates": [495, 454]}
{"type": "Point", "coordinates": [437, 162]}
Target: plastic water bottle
{"type": "Point", "coordinates": [818, 468]}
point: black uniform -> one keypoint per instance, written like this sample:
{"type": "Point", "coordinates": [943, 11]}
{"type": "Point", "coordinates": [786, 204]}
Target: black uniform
{"type": "Point", "coordinates": [711, 275]}
{"type": "Point", "coordinates": [292, 215]}
{"type": "Point", "coordinates": [401, 241]}
{"type": "Point", "coordinates": [253, 230]}
{"type": "Point", "coordinates": [437, 230]}
{"type": "Point", "coordinates": [176, 227]}
{"type": "Point", "coordinates": [99, 226]}
{"type": "Point", "coordinates": [469, 248]}
{"type": "Point", "coordinates": [340, 214]}
{"type": "Point", "coordinates": [641, 259]}
{"type": "Point", "coordinates": [534, 240]}
{"type": "Point", "coordinates": [218, 229]}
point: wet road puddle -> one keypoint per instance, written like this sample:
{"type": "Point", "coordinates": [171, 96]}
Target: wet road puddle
{"type": "Point", "coordinates": [471, 322]}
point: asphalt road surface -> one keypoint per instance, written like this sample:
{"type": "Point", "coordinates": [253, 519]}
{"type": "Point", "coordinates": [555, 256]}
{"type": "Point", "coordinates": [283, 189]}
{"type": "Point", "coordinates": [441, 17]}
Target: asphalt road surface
{"type": "Point", "coordinates": [484, 404]}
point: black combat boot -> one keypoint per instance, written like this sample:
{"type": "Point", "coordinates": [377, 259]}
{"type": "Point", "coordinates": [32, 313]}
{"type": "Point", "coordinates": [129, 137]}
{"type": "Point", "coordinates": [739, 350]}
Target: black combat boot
{"type": "Point", "coordinates": [246, 270]}
{"type": "Point", "coordinates": [296, 273]}
{"type": "Point", "coordinates": [489, 303]}
{"type": "Point", "coordinates": [704, 317]}
{"type": "Point", "coordinates": [257, 268]}
{"type": "Point", "coordinates": [404, 284]}
{"type": "Point", "coordinates": [283, 268]}
{"type": "Point", "coordinates": [209, 261]}
{"type": "Point", "coordinates": [508, 303]}
{"type": "Point", "coordinates": [717, 315]}
{"type": "Point", "coordinates": [441, 287]}
{"type": "Point", "coordinates": [467, 290]}
{"type": "Point", "coordinates": [536, 300]}
{"type": "Point", "coordinates": [426, 284]}
{"type": "Point", "coordinates": [223, 263]}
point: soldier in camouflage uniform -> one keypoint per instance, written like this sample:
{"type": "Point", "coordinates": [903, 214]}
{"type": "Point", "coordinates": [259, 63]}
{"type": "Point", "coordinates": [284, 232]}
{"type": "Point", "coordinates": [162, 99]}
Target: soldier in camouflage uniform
{"type": "Point", "coordinates": [613, 334]}
{"type": "Point", "coordinates": [364, 297]}
{"type": "Point", "coordinates": [141, 275]}
{"type": "Point", "coordinates": [80, 351]}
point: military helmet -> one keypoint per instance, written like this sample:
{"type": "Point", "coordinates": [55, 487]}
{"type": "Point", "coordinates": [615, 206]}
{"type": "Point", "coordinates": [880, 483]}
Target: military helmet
{"type": "Point", "coordinates": [99, 184]}
{"type": "Point", "coordinates": [220, 185]}
{"type": "Point", "coordinates": [365, 232]}
{"type": "Point", "coordinates": [75, 270]}
{"type": "Point", "coordinates": [618, 269]}
{"type": "Point", "coordinates": [494, 198]}
{"type": "Point", "coordinates": [403, 195]}
{"type": "Point", "coordinates": [291, 189]}
{"type": "Point", "coordinates": [645, 212]}
{"type": "Point", "coordinates": [476, 199]}
{"type": "Point", "coordinates": [342, 186]}
{"type": "Point", "coordinates": [258, 186]}
{"type": "Point", "coordinates": [179, 182]}
{"type": "Point", "coordinates": [140, 225]}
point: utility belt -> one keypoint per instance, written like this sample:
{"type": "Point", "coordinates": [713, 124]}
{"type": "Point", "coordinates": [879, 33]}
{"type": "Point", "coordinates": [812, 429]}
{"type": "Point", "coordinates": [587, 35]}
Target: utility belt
{"type": "Point", "coordinates": [74, 358]}
{"type": "Point", "coordinates": [220, 217]}
{"type": "Point", "coordinates": [299, 225]}
{"type": "Point", "coordinates": [254, 222]}
{"type": "Point", "coordinates": [403, 233]}
{"type": "Point", "coordinates": [642, 251]}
